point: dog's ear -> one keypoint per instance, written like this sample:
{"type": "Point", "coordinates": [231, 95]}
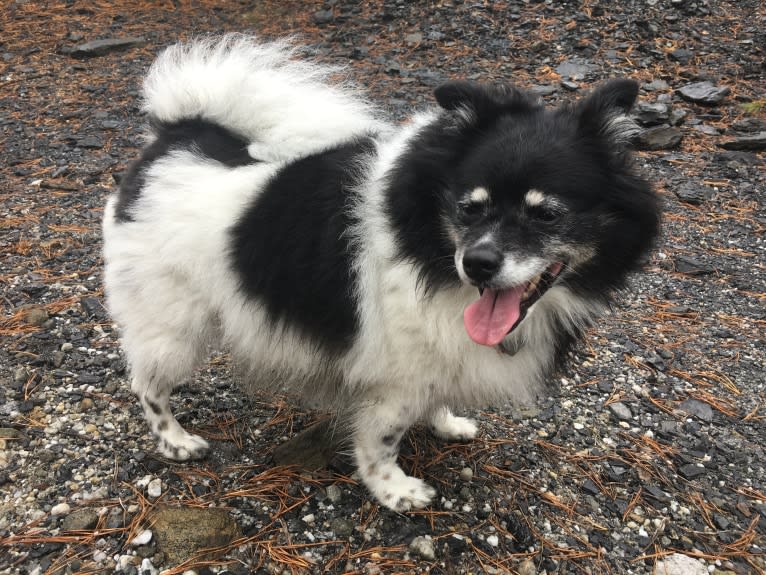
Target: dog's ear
{"type": "Point", "coordinates": [480, 101]}
{"type": "Point", "coordinates": [604, 112]}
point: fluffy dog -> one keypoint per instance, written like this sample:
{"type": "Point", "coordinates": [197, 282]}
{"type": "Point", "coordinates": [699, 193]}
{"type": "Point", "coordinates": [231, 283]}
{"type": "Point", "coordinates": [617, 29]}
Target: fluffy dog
{"type": "Point", "coordinates": [396, 271]}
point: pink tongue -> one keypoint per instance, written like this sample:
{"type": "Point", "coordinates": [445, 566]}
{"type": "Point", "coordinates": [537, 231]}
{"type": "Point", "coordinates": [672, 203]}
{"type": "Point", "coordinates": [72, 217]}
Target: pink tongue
{"type": "Point", "coordinates": [489, 319]}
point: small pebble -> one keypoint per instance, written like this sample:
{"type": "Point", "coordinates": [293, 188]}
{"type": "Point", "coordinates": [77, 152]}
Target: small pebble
{"type": "Point", "coordinates": [466, 474]}
{"type": "Point", "coordinates": [60, 509]}
{"type": "Point", "coordinates": [142, 538]}
{"type": "Point", "coordinates": [423, 546]}
{"type": "Point", "coordinates": [154, 489]}
{"type": "Point", "coordinates": [334, 493]}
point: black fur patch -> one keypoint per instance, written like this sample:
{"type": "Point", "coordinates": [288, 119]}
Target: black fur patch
{"type": "Point", "coordinates": [292, 249]}
{"type": "Point", "coordinates": [206, 138]}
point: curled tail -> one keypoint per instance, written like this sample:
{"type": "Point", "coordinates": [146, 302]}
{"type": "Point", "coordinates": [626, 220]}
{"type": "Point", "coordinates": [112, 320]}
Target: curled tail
{"type": "Point", "coordinates": [282, 106]}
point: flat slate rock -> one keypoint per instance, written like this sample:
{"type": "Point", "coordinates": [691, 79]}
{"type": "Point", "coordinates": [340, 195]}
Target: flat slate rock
{"type": "Point", "coordinates": [756, 142]}
{"type": "Point", "coordinates": [750, 125]}
{"type": "Point", "coordinates": [692, 267]}
{"type": "Point", "coordinates": [659, 138]}
{"type": "Point", "coordinates": [652, 113]}
{"type": "Point", "coordinates": [693, 193]}
{"type": "Point", "coordinates": [697, 408]}
{"type": "Point", "coordinates": [104, 46]}
{"type": "Point", "coordinates": [704, 93]}
{"type": "Point", "coordinates": [574, 69]}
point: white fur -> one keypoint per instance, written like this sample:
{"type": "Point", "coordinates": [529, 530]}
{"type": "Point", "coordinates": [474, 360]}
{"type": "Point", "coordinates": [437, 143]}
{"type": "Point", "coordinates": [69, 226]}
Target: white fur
{"type": "Point", "coordinates": [170, 286]}
{"type": "Point", "coordinates": [285, 107]}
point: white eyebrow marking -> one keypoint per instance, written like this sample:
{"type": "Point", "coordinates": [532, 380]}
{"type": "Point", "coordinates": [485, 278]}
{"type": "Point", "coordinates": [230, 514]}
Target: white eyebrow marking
{"type": "Point", "coordinates": [534, 197]}
{"type": "Point", "coordinates": [479, 195]}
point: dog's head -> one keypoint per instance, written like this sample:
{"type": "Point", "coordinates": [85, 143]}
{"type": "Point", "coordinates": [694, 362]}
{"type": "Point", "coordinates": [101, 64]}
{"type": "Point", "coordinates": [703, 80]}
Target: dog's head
{"type": "Point", "coordinates": [534, 198]}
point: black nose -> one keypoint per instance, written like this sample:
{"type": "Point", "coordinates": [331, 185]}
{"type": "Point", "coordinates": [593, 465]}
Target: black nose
{"type": "Point", "coordinates": [482, 262]}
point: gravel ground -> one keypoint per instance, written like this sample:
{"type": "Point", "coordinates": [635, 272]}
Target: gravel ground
{"type": "Point", "coordinates": [651, 458]}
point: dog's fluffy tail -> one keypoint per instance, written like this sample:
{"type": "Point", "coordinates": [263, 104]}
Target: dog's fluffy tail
{"type": "Point", "coordinates": [259, 90]}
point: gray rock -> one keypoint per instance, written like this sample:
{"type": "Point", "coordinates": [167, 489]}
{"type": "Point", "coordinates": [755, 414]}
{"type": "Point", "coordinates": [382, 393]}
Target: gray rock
{"type": "Point", "coordinates": [750, 125]}
{"type": "Point", "coordinates": [424, 547]}
{"type": "Point", "coordinates": [334, 494]}
{"type": "Point", "coordinates": [656, 86]}
{"type": "Point", "coordinates": [697, 408]}
{"type": "Point", "coordinates": [91, 142]}
{"type": "Point", "coordinates": [323, 16]}
{"type": "Point", "coordinates": [678, 116]}
{"type": "Point", "coordinates": [691, 266]}
{"type": "Point", "coordinates": [693, 193]}
{"type": "Point", "coordinates": [690, 471]}
{"type": "Point", "coordinates": [544, 89]}
{"type": "Point", "coordinates": [659, 138]}
{"type": "Point", "coordinates": [756, 142]}
{"type": "Point", "coordinates": [574, 69]}
{"type": "Point", "coordinates": [101, 47]}
{"type": "Point", "coordinates": [414, 38]}
{"type": "Point", "coordinates": [652, 114]}
{"type": "Point", "coordinates": [80, 520]}
{"type": "Point", "coordinates": [681, 55]}
{"type": "Point", "coordinates": [707, 129]}
{"type": "Point", "coordinates": [704, 93]}
{"type": "Point", "coordinates": [621, 411]}
{"type": "Point", "coordinates": [182, 532]}
{"type": "Point", "coordinates": [342, 527]}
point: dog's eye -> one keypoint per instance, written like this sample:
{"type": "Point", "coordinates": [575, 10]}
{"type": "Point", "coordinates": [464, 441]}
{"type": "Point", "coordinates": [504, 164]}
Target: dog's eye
{"type": "Point", "coordinates": [472, 209]}
{"type": "Point", "coordinates": [544, 214]}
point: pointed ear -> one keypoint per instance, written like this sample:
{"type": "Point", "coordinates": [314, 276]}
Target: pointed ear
{"type": "Point", "coordinates": [482, 100]}
{"type": "Point", "coordinates": [604, 112]}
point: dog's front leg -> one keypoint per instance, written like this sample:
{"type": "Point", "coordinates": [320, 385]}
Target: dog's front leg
{"type": "Point", "coordinates": [450, 427]}
{"type": "Point", "coordinates": [378, 430]}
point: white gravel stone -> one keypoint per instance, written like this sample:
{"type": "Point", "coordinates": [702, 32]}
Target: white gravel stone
{"type": "Point", "coordinates": [154, 489]}
{"type": "Point", "coordinates": [493, 540]}
{"type": "Point", "coordinates": [680, 564]}
{"type": "Point", "coordinates": [142, 538]}
{"type": "Point", "coordinates": [466, 474]}
{"type": "Point", "coordinates": [334, 493]}
{"type": "Point", "coordinates": [147, 568]}
{"type": "Point", "coordinates": [60, 509]}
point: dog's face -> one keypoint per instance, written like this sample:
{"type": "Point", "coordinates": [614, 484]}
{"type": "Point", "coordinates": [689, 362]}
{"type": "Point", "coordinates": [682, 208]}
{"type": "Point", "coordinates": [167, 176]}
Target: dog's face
{"type": "Point", "coordinates": [541, 197]}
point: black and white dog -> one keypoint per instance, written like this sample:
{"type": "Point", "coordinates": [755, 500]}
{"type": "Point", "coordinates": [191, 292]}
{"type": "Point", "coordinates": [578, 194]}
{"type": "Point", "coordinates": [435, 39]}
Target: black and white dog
{"type": "Point", "coordinates": [448, 262]}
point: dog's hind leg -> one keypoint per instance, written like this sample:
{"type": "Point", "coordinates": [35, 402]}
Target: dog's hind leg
{"type": "Point", "coordinates": [450, 427]}
{"type": "Point", "coordinates": [378, 430]}
{"type": "Point", "coordinates": [160, 362]}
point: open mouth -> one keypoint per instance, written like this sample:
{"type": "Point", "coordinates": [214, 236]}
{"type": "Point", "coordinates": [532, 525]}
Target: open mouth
{"type": "Point", "coordinates": [498, 312]}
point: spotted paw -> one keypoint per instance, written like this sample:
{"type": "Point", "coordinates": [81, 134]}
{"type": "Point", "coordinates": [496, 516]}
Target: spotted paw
{"type": "Point", "coordinates": [406, 493]}
{"type": "Point", "coordinates": [183, 446]}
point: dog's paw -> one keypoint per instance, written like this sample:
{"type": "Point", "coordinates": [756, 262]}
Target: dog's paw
{"type": "Point", "coordinates": [406, 493]}
{"type": "Point", "coordinates": [453, 428]}
{"type": "Point", "coordinates": [182, 446]}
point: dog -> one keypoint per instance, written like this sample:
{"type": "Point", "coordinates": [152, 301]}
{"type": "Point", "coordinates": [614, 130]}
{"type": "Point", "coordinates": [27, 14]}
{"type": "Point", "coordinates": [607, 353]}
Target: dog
{"type": "Point", "coordinates": [395, 272]}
